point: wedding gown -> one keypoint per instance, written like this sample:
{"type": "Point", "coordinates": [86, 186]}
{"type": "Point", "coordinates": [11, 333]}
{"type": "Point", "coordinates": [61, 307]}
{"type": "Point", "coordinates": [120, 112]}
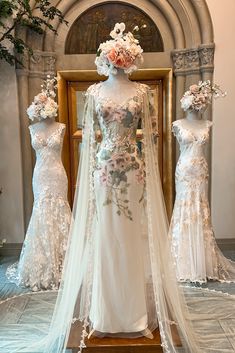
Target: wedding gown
{"type": "Point", "coordinates": [198, 257]}
{"type": "Point", "coordinates": [119, 279]}
{"type": "Point", "coordinates": [43, 251]}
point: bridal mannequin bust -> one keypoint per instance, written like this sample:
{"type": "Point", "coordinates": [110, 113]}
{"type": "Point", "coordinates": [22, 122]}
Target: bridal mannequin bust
{"type": "Point", "coordinates": [44, 247]}
{"type": "Point", "coordinates": [118, 87]}
{"type": "Point", "coordinates": [198, 257]}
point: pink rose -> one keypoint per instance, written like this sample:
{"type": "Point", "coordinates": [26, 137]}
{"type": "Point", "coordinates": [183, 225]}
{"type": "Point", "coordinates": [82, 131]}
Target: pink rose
{"type": "Point", "coordinates": [112, 55]}
{"type": "Point", "coordinates": [194, 88]}
{"type": "Point", "coordinates": [41, 98]}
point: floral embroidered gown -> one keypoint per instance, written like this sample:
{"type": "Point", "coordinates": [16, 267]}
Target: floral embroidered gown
{"type": "Point", "coordinates": [198, 257]}
{"type": "Point", "coordinates": [43, 251]}
{"type": "Point", "coordinates": [118, 302]}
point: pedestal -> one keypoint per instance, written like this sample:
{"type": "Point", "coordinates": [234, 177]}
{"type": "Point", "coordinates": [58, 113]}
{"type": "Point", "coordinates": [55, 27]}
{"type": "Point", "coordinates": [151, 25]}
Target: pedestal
{"type": "Point", "coordinates": [119, 345]}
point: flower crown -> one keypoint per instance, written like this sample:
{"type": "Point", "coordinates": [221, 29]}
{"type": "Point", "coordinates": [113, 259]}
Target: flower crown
{"type": "Point", "coordinates": [121, 52]}
{"type": "Point", "coordinates": [199, 96]}
{"type": "Point", "coordinates": [43, 105]}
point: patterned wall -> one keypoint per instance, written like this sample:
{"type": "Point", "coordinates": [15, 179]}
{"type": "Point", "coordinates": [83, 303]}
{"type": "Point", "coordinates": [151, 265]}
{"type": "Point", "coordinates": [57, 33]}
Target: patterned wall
{"type": "Point", "coordinates": [94, 25]}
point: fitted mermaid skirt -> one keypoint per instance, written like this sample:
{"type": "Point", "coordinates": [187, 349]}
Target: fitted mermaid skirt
{"type": "Point", "coordinates": [44, 247]}
{"type": "Point", "coordinates": [118, 295]}
{"type": "Point", "coordinates": [198, 257]}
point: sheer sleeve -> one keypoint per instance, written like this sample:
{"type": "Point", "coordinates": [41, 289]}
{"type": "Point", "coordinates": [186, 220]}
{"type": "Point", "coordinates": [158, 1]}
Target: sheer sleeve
{"type": "Point", "coordinates": [175, 128]}
{"type": "Point", "coordinates": [91, 92]}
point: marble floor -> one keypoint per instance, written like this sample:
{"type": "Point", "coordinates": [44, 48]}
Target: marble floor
{"type": "Point", "coordinates": [224, 327]}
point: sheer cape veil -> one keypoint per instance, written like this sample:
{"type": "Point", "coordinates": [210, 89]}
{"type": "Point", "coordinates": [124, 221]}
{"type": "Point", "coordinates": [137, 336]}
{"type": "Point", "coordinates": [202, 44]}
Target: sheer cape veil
{"type": "Point", "coordinates": [74, 295]}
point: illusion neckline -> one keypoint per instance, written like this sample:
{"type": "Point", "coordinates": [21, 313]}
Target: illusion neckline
{"type": "Point", "coordinates": [125, 102]}
{"type": "Point", "coordinates": [201, 136]}
{"type": "Point", "coordinates": [47, 140]}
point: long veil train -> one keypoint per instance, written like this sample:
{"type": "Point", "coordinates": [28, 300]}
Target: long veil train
{"type": "Point", "coordinates": [75, 293]}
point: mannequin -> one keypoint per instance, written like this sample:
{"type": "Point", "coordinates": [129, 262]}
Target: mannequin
{"type": "Point", "coordinates": [43, 251]}
{"type": "Point", "coordinates": [198, 257]}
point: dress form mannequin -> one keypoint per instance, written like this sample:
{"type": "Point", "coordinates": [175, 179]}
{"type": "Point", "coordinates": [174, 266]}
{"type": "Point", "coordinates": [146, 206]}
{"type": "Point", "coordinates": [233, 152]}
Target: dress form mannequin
{"type": "Point", "coordinates": [119, 89]}
{"type": "Point", "coordinates": [198, 257]}
{"type": "Point", "coordinates": [41, 259]}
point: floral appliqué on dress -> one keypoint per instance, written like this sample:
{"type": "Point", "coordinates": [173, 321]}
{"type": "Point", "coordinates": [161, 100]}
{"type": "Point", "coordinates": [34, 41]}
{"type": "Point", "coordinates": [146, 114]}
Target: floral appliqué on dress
{"type": "Point", "coordinates": [119, 156]}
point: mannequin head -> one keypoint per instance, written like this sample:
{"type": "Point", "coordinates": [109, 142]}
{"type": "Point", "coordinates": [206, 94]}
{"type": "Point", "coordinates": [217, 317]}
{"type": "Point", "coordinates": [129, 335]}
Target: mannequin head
{"type": "Point", "coordinates": [121, 52]}
{"type": "Point", "coordinates": [199, 96]}
{"type": "Point", "coordinates": [43, 106]}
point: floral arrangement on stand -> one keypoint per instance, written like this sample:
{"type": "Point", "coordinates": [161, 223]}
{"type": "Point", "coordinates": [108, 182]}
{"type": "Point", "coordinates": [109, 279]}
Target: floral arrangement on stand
{"type": "Point", "coordinates": [44, 105]}
{"type": "Point", "coordinates": [200, 95]}
{"type": "Point", "coordinates": [121, 52]}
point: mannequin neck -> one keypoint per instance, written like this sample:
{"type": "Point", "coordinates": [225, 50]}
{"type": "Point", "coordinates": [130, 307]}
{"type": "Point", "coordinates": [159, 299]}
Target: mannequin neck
{"type": "Point", "coordinates": [119, 77]}
{"type": "Point", "coordinates": [193, 115]}
{"type": "Point", "coordinates": [48, 121]}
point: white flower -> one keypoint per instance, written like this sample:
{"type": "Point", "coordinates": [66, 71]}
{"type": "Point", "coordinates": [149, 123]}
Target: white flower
{"type": "Point", "coordinates": [186, 102]}
{"type": "Point", "coordinates": [129, 37]}
{"type": "Point", "coordinates": [118, 30]}
{"type": "Point", "coordinates": [199, 96]}
{"type": "Point", "coordinates": [121, 52]}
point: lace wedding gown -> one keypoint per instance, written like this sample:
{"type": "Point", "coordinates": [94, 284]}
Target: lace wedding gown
{"type": "Point", "coordinates": [45, 243]}
{"type": "Point", "coordinates": [198, 257]}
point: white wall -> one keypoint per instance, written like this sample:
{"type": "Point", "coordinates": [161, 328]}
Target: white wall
{"type": "Point", "coordinates": [223, 138]}
{"type": "Point", "coordinates": [11, 203]}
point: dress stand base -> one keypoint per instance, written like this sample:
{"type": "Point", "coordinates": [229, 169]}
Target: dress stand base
{"type": "Point", "coordinates": [119, 345]}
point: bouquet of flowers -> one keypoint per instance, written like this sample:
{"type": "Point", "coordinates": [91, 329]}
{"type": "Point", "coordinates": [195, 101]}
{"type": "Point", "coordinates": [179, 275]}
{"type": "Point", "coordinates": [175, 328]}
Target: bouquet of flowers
{"type": "Point", "coordinates": [199, 96]}
{"type": "Point", "coordinates": [123, 52]}
{"type": "Point", "coordinates": [44, 105]}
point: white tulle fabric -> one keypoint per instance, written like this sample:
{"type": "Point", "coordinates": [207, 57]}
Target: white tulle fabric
{"type": "Point", "coordinates": [42, 256]}
{"type": "Point", "coordinates": [198, 257]}
{"type": "Point", "coordinates": [104, 249]}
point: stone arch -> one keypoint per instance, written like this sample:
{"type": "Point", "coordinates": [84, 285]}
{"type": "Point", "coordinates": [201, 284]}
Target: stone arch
{"type": "Point", "coordinates": [187, 33]}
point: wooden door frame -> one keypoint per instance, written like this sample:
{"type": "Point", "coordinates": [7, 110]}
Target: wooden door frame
{"type": "Point", "coordinates": [64, 77]}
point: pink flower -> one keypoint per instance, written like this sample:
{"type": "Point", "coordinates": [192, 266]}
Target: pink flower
{"type": "Point", "coordinates": [112, 55]}
{"type": "Point", "coordinates": [104, 176]}
{"type": "Point", "coordinates": [41, 98]}
{"type": "Point", "coordinates": [194, 88]}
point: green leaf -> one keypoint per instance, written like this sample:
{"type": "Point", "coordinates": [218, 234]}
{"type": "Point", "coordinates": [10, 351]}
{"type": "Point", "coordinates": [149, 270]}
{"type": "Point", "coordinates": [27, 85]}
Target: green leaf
{"type": "Point", "coordinates": [24, 18]}
{"type": "Point", "coordinates": [6, 8]}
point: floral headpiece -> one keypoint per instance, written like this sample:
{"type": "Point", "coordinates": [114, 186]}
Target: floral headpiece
{"type": "Point", "coordinates": [43, 105]}
{"type": "Point", "coordinates": [199, 96]}
{"type": "Point", "coordinates": [121, 52]}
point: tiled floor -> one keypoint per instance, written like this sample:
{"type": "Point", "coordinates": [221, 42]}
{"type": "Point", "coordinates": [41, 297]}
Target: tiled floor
{"type": "Point", "coordinates": [223, 327]}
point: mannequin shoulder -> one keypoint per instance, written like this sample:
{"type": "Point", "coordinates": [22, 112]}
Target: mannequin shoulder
{"type": "Point", "coordinates": [176, 126]}
{"type": "Point", "coordinates": [92, 90]}
{"type": "Point", "coordinates": [33, 128]}
{"type": "Point", "coordinates": [209, 123]}
{"type": "Point", "coordinates": [177, 123]}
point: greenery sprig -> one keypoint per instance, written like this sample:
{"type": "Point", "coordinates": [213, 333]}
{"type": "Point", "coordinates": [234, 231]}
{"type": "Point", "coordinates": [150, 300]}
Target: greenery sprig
{"type": "Point", "coordinates": [17, 14]}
